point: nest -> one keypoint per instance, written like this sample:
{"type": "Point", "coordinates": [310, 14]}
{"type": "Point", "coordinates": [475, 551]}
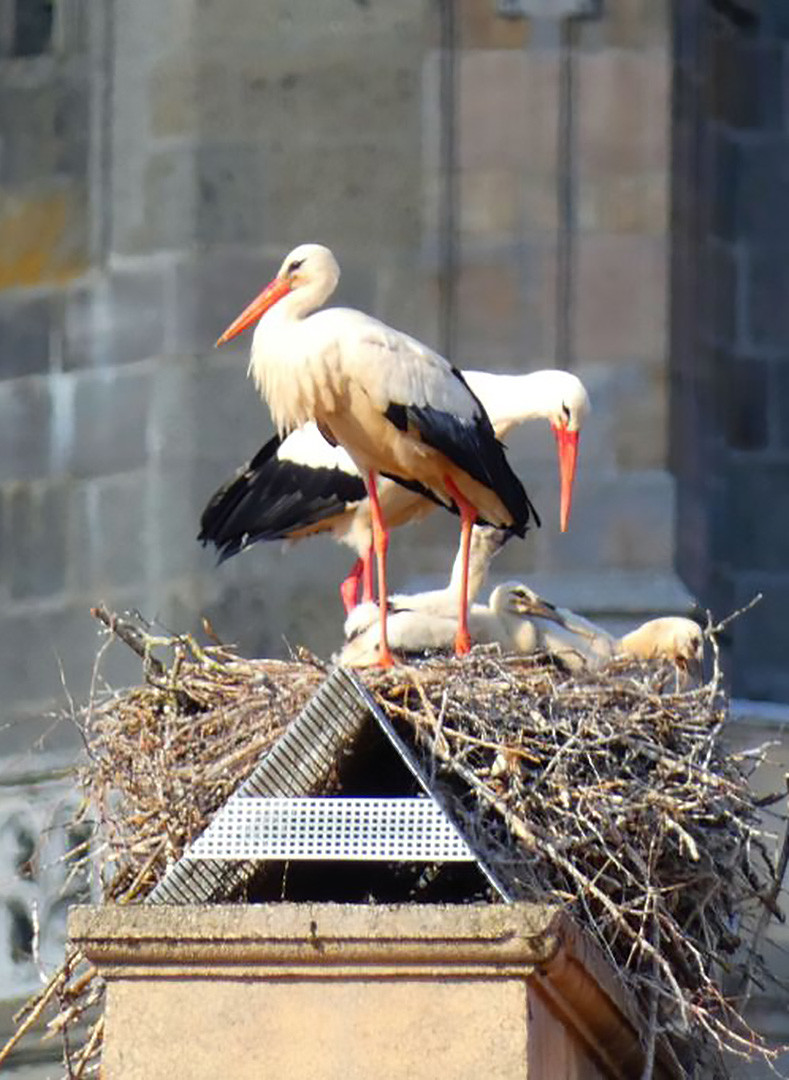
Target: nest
{"type": "Point", "coordinates": [606, 793]}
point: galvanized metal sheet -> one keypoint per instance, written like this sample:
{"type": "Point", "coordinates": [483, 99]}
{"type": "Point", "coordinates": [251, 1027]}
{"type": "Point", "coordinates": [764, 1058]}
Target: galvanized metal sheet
{"type": "Point", "coordinates": [333, 829]}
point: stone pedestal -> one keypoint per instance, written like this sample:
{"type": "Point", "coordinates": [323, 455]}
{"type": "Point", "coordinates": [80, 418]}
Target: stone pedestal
{"type": "Point", "coordinates": [342, 992]}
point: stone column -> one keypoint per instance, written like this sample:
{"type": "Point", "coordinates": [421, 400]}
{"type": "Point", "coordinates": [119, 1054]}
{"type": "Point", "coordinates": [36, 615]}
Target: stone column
{"type": "Point", "coordinates": [327, 991]}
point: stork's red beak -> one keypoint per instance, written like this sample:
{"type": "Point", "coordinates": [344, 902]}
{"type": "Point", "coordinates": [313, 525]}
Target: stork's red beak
{"type": "Point", "coordinates": [274, 291]}
{"type": "Point", "coordinates": [567, 445]}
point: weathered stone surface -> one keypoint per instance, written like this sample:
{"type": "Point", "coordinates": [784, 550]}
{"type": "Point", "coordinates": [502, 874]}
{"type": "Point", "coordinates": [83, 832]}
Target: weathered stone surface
{"type": "Point", "coordinates": [119, 318]}
{"type": "Point", "coordinates": [28, 326]}
{"type": "Point", "coordinates": [759, 516]}
{"type": "Point", "coordinates": [758, 655]}
{"type": "Point", "coordinates": [26, 416]}
{"type": "Point", "coordinates": [767, 313]}
{"type": "Point", "coordinates": [623, 112]}
{"type": "Point", "coordinates": [29, 144]}
{"type": "Point", "coordinates": [621, 297]}
{"type": "Point", "coordinates": [624, 204]}
{"type": "Point", "coordinates": [721, 287]}
{"type": "Point", "coordinates": [43, 234]}
{"type": "Point", "coordinates": [746, 403]}
{"type": "Point", "coordinates": [747, 82]}
{"type": "Point", "coordinates": [35, 528]}
{"type": "Point", "coordinates": [763, 191]}
{"type": "Point", "coordinates": [108, 531]}
{"type": "Point", "coordinates": [109, 424]}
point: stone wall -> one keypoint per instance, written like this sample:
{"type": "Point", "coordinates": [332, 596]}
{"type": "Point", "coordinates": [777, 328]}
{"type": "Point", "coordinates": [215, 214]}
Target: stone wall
{"type": "Point", "coordinates": [730, 345]}
{"type": "Point", "coordinates": [189, 146]}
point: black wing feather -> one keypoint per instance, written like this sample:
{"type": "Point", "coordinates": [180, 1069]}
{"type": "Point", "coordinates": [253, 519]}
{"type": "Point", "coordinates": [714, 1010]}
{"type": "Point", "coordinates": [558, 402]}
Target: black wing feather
{"type": "Point", "coordinates": [271, 498]}
{"type": "Point", "coordinates": [472, 445]}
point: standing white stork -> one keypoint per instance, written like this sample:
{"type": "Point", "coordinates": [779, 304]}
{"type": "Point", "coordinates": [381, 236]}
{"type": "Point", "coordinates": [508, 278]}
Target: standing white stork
{"type": "Point", "coordinates": [396, 406]}
{"type": "Point", "coordinates": [301, 486]}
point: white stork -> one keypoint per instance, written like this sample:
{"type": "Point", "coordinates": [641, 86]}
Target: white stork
{"type": "Point", "coordinates": [396, 406]}
{"type": "Point", "coordinates": [302, 485]}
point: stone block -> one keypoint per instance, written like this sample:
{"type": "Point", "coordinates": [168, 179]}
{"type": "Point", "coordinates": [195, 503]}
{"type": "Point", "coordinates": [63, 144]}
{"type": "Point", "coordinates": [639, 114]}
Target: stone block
{"type": "Point", "coordinates": [745, 391]}
{"type": "Point", "coordinates": [210, 290]}
{"type": "Point", "coordinates": [27, 120]}
{"type": "Point", "coordinates": [758, 514]}
{"type": "Point", "coordinates": [170, 200]}
{"type": "Point", "coordinates": [763, 191]}
{"type": "Point", "coordinates": [109, 530]}
{"type": "Point", "coordinates": [43, 234]}
{"type": "Point", "coordinates": [118, 318]}
{"type": "Point", "coordinates": [621, 297]}
{"type": "Point", "coordinates": [32, 646]}
{"type": "Point", "coordinates": [274, 598]}
{"type": "Point", "coordinates": [198, 96]}
{"type": "Point", "coordinates": [36, 524]}
{"type": "Point", "coordinates": [640, 409]}
{"type": "Point", "coordinates": [26, 412]}
{"type": "Point", "coordinates": [231, 206]}
{"type": "Point", "coordinates": [779, 395]}
{"type": "Point", "coordinates": [623, 112]}
{"type": "Point", "coordinates": [110, 418]}
{"type": "Point", "coordinates": [71, 123]}
{"type": "Point", "coordinates": [624, 204]}
{"type": "Point", "coordinates": [635, 24]}
{"type": "Point", "coordinates": [766, 310]}
{"type": "Point", "coordinates": [746, 82]}
{"type": "Point", "coordinates": [504, 304]}
{"type": "Point", "coordinates": [28, 327]}
{"type": "Point", "coordinates": [490, 202]}
{"type": "Point", "coordinates": [758, 650]}
{"type": "Point", "coordinates": [507, 105]}
{"type": "Point", "coordinates": [203, 411]}
{"type": "Point", "coordinates": [361, 201]}
{"type": "Point", "coordinates": [721, 289]}
{"type": "Point", "coordinates": [623, 521]}
{"type": "Point", "coordinates": [480, 27]}
{"type": "Point", "coordinates": [726, 154]}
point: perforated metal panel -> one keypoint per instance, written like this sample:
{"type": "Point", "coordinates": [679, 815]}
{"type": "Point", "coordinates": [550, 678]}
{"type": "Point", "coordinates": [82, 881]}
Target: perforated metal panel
{"type": "Point", "coordinates": [366, 830]}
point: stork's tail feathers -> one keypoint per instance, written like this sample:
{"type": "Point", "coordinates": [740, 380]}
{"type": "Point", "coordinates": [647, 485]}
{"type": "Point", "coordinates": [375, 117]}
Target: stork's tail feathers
{"type": "Point", "coordinates": [274, 499]}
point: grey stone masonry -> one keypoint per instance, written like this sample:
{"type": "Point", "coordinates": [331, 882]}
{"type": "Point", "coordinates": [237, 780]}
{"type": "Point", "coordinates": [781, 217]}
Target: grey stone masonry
{"type": "Point", "coordinates": [730, 398]}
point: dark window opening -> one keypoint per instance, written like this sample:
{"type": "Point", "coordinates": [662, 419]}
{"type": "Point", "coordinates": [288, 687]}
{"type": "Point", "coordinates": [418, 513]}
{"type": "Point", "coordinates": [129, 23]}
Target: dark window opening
{"type": "Point", "coordinates": [33, 26]}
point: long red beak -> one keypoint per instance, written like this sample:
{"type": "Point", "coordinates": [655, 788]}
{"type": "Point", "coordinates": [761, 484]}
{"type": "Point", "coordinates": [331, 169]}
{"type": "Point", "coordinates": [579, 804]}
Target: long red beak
{"type": "Point", "coordinates": [274, 291]}
{"type": "Point", "coordinates": [567, 445]}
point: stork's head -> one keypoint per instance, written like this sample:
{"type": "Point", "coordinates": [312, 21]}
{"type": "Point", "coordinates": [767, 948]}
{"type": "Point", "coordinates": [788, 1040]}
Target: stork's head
{"type": "Point", "coordinates": [515, 599]}
{"type": "Point", "coordinates": [309, 274]}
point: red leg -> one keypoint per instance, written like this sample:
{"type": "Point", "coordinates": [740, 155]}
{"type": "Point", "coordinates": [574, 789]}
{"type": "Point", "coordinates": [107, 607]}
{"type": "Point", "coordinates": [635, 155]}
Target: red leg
{"type": "Point", "coordinates": [349, 589]}
{"type": "Point", "coordinates": [380, 543]}
{"type": "Point", "coordinates": [367, 575]}
{"type": "Point", "coordinates": [468, 515]}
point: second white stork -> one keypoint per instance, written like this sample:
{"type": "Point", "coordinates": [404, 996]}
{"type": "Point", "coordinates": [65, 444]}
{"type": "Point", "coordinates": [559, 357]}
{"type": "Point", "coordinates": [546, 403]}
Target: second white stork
{"type": "Point", "coordinates": [302, 486]}
{"type": "Point", "coordinates": [396, 406]}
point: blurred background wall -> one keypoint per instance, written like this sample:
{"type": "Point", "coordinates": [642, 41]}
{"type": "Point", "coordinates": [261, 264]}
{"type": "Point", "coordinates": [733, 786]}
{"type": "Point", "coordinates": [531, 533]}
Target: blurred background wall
{"type": "Point", "coordinates": [605, 194]}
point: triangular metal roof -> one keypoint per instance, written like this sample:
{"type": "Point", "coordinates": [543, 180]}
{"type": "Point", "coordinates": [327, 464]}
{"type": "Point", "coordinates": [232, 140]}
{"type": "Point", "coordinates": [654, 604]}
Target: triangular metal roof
{"type": "Point", "coordinates": [272, 811]}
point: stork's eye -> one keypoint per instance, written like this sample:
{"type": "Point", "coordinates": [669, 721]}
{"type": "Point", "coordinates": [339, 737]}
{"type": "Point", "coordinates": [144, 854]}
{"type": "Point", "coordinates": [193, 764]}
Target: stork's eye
{"type": "Point", "coordinates": [566, 412]}
{"type": "Point", "coordinates": [295, 265]}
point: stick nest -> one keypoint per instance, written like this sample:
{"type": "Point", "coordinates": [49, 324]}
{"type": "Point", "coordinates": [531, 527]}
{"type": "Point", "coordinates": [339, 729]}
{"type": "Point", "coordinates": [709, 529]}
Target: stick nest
{"type": "Point", "coordinates": [607, 793]}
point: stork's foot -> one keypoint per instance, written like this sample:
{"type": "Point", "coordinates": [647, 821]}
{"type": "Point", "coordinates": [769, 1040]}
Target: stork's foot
{"type": "Point", "coordinates": [385, 659]}
{"type": "Point", "coordinates": [462, 643]}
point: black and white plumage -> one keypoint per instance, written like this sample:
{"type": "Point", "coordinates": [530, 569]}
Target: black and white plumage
{"type": "Point", "coordinates": [301, 485]}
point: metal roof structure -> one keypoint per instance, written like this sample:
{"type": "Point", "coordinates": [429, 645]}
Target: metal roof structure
{"type": "Point", "coordinates": [274, 814]}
